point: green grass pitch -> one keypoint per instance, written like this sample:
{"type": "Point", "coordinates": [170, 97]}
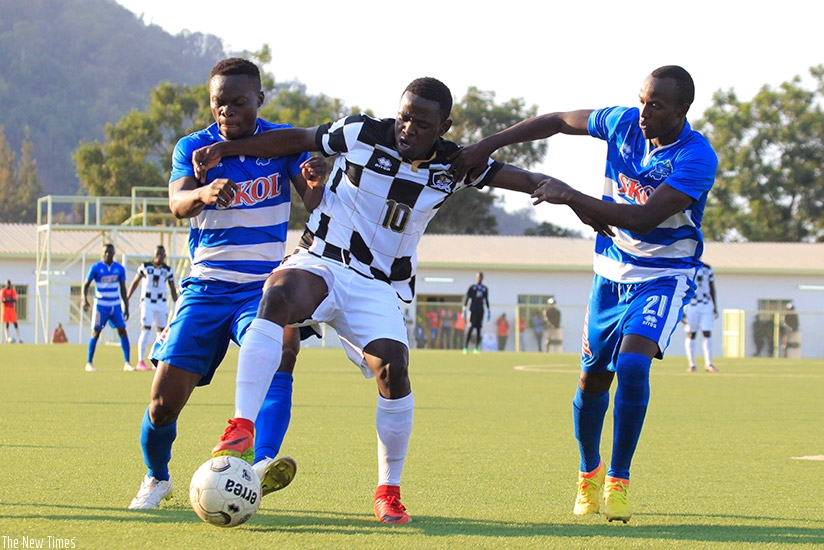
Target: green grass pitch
{"type": "Point", "coordinates": [492, 462]}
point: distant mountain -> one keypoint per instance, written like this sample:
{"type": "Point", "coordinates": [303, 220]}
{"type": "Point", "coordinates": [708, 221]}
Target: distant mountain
{"type": "Point", "coordinates": [68, 67]}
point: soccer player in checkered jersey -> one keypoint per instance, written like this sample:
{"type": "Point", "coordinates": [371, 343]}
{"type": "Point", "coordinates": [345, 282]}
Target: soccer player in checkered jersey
{"type": "Point", "coordinates": [110, 304]}
{"type": "Point", "coordinates": [357, 256]}
{"type": "Point", "coordinates": [239, 216]}
{"type": "Point", "coordinates": [658, 173]}
{"type": "Point", "coordinates": [700, 314]}
{"type": "Point", "coordinates": [154, 309]}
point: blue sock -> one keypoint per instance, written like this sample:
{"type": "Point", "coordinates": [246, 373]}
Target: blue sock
{"type": "Point", "coordinates": [631, 400]}
{"type": "Point", "coordinates": [157, 446]}
{"type": "Point", "coordinates": [92, 347]}
{"type": "Point", "coordinates": [126, 347]}
{"type": "Point", "coordinates": [588, 412]}
{"type": "Point", "coordinates": [274, 416]}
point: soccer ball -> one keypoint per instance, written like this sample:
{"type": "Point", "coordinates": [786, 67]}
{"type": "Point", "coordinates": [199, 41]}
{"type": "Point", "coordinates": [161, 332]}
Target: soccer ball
{"type": "Point", "coordinates": [225, 491]}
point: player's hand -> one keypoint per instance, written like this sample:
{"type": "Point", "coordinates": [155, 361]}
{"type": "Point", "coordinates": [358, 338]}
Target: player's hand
{"type": "Point", "coordinates": [86, 306]}
{"type": "Point", "coordinates": [600, 228]}
{"type": "Point", "coordinates": [488, 315]}
{"type": "Point", "coordinates": [220, 191]}
{"type": "Point", "coordinates": [314, 171]}
{"type": "Point", "coordinates": [469, 161]}
{"type": "Point", "coordinates": [205, 158]}
{"type": "Point", "coordinates": [553, 191]}
{"type": "Point", "coordinates": [126, 315]}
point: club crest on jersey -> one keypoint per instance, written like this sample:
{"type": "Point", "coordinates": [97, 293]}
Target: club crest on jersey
{"type": "Point", "coordinates": [661, 171]}
{"type": "Point", "coordinates": [633, 190]}
{"type": "Point", "coordinates": [263, 162]}
{"type": "Point", "coordinates": [254, 191]}
{"type": "Point", "coordinates": [441, 181]}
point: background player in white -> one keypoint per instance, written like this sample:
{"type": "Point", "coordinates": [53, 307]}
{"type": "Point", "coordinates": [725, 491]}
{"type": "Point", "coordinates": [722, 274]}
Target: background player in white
{"type": "Point", "coordinates": [154, 307]}
{"type": "Point", "coordinates": [657, 176]}
{"type": "Point", "coordinates": [110, 304]}
{"type": "Point", "coordinates": [239, 216]}
{"type": "Point", "coordinates": [700, 314]}
{"type": "Point", "coordinates": [357, 256]}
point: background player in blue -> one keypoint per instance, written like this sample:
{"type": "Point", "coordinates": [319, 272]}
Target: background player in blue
{"type": "Point", "coordinates": [109, 279]}
{"type": "Point", "coordinates": [357, 257]}
{"type": "Point", "coordinates": [658, 174]}
{"type": "Point", "coordinates": [239, 218]}
{"type": "Point", "coordinates": [477, 297]}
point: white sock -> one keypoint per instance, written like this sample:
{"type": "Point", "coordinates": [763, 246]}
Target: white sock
{"type": "Point", "coordinates": [259, 358]}
{"type": "Point", "coordinates": [143, 342]}
{"type": "Point", "coordinates": [690, 347]}
{"type": "Point", "coordinates": [708, 351]}
{"type": "Point", "coordinates": [393, 421]}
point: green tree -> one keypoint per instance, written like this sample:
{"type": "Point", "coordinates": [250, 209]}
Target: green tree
{"type": "Point", "coordinates": [19, 182]}
{"type": "Point", "coordinates": [8, 179]}
{"type": "Point", "coordinates": [28, 182]}
{"type": "Point", "coordinates": [546, 229]}
{"type": "Point", "coordinates": [770, 181]}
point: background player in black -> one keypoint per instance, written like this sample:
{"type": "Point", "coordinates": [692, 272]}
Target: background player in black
{"type": "Point", "coordinates": [476, 297]}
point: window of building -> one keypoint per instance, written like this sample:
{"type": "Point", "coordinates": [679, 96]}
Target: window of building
{"type": "Point", "coordinates": [22, 305]}
{"type": "Point", "coordinates": [531, 306]}
{"type": "Point", "coordinates": [76, 295]}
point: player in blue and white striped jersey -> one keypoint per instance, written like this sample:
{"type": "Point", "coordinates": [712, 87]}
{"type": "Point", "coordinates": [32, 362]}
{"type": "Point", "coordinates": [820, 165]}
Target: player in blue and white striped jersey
{"type": "Point", "coordinates": [658, 173]}
{"type": "Point", "coordinates": [109, 279]}
{"type": "Point", "coordinates": [358, 254]}
{"type": "Point", "coordinates": [238, 222]}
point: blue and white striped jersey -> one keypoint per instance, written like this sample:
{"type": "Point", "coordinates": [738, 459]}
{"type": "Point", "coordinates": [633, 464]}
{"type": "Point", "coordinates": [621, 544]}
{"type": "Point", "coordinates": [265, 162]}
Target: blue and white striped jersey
{"type": "Point", "coordinates": [633, 172]}
{"type": "Point", "coordinates": [244, 241]}
{"type": "Point", "coordinates": [107, 283]}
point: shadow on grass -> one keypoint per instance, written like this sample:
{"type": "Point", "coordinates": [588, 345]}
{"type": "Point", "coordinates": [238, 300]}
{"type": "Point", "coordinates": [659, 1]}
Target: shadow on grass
{"type": "Point", "coordinates": [689, 528]}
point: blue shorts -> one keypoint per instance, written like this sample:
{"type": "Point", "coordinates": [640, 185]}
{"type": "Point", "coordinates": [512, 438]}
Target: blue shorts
{"type": "Point", "coordinates": [108, 314]}
{"type": "Point", "coordinates": [651, 309]}
{"type": "Point", "coordinates": [209, 315]}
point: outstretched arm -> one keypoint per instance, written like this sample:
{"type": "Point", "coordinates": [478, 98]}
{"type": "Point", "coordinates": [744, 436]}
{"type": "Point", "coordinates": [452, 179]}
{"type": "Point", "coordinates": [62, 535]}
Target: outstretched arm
{"type": "Point", "coordinates": [662, 203]}
{"type": "Point", "coordinates": [272, 143]}
{"type": "Point", "coordinates": [517, 179]}
{"type": "Point", "coordinates": [471, 160]}
{"type": "Point", "coordinates": [133, 287]}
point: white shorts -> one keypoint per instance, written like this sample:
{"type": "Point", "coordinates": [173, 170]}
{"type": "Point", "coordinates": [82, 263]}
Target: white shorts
{"type": "Point", "coordinates": [156, 313]}
{"type": "Point", "coordinates": [700, 318]}
{"type": "Point", "coordinates": [360, 309]}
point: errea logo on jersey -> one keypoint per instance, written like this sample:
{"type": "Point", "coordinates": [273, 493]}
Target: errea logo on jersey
{"type": "Point", "coordinates": [252, 192]}
{"type": "Point", "coordinates": [633, 190]}
{"type": "Point", "coordinates": [384, 164]}
{"type": "Point", "coordinates": [651, 321]}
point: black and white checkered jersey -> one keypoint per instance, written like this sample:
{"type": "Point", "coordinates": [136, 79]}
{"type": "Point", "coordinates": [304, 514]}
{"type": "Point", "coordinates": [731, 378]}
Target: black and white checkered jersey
{"type": "Point", "coordinates": [703, 279]}
{"type": "Point", "coordinates": [376, 205]}
{"type": "Point", "coordinates": [155, 281]}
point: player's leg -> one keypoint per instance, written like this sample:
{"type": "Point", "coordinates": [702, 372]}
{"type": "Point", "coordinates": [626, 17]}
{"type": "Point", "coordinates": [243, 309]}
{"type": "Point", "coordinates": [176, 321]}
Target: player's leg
{"type": "Point", "coordinates": [273, 421]}
{"type": "Point", "coordinates": [120, 324]}
{"type": "Point", "coordinates": [389, 360]}
{"type": "Point", "coordinates": [98, 322]}
{"type": "Point", "coordinates": [707, 319]}
{"type": "Point", "coordinates": [689, 347]}
{"type": "Point", "coordinates": [183, 363]}
{"type": "Point", "coordinates": [591, 401]}
{"type": "Point", "coordinates": [171, 389]}
{"type": "Point", "coordinates": [289, 296]}
{"type": "Point", "coordinates": [652, 312]}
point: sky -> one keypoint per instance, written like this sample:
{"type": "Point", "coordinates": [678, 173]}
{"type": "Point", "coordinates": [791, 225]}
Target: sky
{"type": "Point", "coordinates": [584, 55]}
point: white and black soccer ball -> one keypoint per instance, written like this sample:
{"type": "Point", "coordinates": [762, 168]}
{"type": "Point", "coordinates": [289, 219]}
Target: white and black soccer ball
{"type": "Point", "coordinates": [225, 491]}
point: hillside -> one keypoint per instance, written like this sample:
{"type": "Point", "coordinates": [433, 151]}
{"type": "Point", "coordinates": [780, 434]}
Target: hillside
{"type": "Point", "coordinates": [68, 67]}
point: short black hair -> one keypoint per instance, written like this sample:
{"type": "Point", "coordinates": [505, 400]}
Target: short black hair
{"type": "Point", "coordinates": [237, 66]}
{"type": "Point", "coordinates": [683, 81]}
{"type": "Point", "coordinates": [433, 90]}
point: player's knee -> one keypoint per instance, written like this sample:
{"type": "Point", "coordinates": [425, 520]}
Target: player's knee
{"type": "Point", "coordinates": [595, 382]}
{"type": "Point", "coordinates": [164, 411]}
{"type": "Point", "coordinates": [633, 368]}
{"type": "Point", "coordinates": [707, 333]}
{"type": "Point", "coordinates": [690, 336]}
